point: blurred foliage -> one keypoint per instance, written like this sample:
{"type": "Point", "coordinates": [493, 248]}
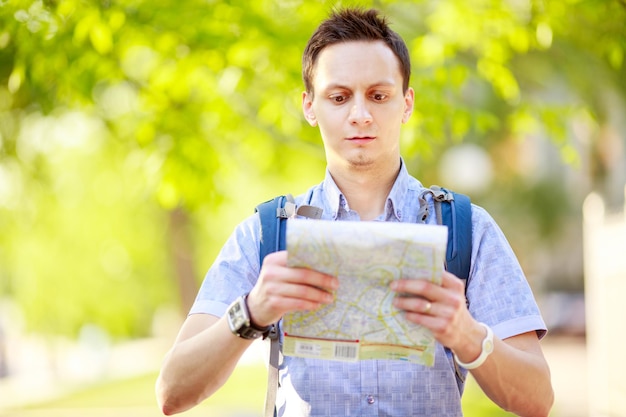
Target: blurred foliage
{"type": "Point", "coordinates": [125, 123]}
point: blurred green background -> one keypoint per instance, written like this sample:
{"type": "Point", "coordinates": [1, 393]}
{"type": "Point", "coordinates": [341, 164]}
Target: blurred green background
{"type": "Point", "coordinates": [134, 135]}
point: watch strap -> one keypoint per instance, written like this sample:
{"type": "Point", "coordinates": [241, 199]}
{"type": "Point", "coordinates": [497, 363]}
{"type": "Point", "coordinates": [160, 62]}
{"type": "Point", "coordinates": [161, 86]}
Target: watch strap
{"type": "Point", "coordinates": [250, 330]}
{"type": "Point", "coordinates": [258, 330]}
{"type": "Point", "coordinates": [486, 349]}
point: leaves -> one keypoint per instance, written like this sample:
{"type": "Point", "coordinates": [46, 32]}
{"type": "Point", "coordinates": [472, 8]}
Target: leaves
{"type": "Point", "coordinates": [114, 113]}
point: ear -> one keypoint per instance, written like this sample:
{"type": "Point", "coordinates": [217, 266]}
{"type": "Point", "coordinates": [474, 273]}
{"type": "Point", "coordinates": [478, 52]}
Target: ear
{"type": "Point", "coordinates": [307, 108]}
{"type": "Point", "coordinates": [409, 100]}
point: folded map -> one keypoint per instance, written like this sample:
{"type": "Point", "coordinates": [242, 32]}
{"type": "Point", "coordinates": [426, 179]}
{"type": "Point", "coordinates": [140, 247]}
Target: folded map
{"type": "Point", "coordinates": [362, 323]}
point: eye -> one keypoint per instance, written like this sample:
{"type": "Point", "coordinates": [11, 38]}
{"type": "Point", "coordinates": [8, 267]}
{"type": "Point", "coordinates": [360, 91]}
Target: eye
{"type": "Point", "coordinates": [379, 96]}
{"type": "Point", "coordinates": [338, 98]}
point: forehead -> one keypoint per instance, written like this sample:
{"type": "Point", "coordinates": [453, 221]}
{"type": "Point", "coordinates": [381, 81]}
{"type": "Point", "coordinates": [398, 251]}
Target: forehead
{"type": "Point", "coordinates": [356, 62]}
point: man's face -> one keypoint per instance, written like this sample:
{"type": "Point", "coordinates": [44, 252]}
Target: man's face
{"type": "Point", "coordinates": [358, 104]}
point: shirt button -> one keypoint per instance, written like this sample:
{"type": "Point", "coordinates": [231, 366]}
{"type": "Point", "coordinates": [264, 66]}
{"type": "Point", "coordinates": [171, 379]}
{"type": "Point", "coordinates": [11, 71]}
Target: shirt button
{"type": "Point", "coordinates": [370, 399]}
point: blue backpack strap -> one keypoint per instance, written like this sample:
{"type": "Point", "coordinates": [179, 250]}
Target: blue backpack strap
{"type": "Point", "coordinates": [457, 215]}
{"type": "Point", "coordinates": [455, 211]}
{"type": "Point", "coordinates": [273, 226]}
{"type": "Point", "coordinates": [273, 215]}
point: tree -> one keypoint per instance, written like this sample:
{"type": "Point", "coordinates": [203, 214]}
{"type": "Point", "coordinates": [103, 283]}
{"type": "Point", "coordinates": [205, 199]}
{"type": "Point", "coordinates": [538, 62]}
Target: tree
{"type": "Point", "coordinates": [178, 117]}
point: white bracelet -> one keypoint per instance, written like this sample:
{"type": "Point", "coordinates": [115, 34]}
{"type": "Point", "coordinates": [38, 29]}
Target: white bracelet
{"type": "Point", "coordinates": [486, 349]}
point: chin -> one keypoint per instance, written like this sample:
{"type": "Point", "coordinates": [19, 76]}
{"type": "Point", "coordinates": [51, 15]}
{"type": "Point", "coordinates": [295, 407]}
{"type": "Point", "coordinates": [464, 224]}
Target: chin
{"type": "Point", "coordinates": [361, 162]}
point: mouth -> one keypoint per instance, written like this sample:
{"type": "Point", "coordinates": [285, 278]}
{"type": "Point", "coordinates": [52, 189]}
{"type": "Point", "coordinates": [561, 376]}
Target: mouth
{"type": "Point", "coordinates": [361, 140]}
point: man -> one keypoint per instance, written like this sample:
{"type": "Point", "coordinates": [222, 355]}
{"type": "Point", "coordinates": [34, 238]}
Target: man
{"type": "Point", "coordinates": [356, 72]}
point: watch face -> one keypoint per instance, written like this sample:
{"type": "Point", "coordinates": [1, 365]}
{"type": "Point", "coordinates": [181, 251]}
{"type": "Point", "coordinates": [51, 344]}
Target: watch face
{"type": "Point", "coordinates": [488, 346]}
{"type": "Point", "coordinates": [237, 316]}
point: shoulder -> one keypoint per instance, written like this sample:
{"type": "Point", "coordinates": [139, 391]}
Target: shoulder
{"type": "Point", "coordinates": [480, 216]}
{"type": "Point", "coordinates": [484, 225]}
{"type": "Point", "coordinates": [245, 237]}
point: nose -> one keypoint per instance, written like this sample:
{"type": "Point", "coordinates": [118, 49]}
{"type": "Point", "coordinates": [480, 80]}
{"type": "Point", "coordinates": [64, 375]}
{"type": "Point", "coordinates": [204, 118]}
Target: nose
{"type": "Point", "coordinates": [359, 113]}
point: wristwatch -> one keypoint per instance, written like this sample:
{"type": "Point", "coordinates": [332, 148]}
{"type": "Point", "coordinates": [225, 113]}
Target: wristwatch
{"type": "Point", "coordinates": [240, 323]}
{"type": "Point", "coordinates": [486, 349]}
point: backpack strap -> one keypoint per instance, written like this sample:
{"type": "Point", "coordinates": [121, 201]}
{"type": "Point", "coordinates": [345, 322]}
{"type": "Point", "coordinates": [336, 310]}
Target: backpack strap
{"type": "Point", "coordinates": [270, 227]}
{"type": "Point", "coordinates": [455, 211]}
{"type": "Point", "coordinates": [272, 230]}
{"type": "Point", "coordinates": [458, 217]}
{"type": "Point", "coordinates": [273, 215]}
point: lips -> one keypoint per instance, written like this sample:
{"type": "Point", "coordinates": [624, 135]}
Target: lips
{"type": "Point", "coordinates": [361, 140]}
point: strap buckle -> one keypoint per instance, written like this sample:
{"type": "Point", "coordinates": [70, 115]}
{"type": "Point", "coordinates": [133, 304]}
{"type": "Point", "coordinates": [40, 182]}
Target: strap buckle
{"type": "Point", "coordinates": [290, 210]}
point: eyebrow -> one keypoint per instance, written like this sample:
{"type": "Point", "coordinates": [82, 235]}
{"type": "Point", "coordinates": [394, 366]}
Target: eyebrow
{"type": "Point", "coordinates": [379, 84]}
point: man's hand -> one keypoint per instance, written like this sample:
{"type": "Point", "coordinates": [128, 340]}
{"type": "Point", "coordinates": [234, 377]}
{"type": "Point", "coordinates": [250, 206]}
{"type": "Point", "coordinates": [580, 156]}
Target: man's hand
{"type": "Point", "coordinates": [281, 289]}
{"type": "Point", "coordinates": [440, 308]}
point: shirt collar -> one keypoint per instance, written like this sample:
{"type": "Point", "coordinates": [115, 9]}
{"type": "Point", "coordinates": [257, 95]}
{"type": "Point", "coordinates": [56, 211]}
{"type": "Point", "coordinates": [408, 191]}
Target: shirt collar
{"type": "Point", "coordinates": [335, 200]}
{"type": "Point", "coordinates": [398, 193]}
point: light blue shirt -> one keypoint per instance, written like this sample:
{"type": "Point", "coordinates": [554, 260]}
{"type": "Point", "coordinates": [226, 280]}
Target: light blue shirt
{"type": "Point", "coordinates": [498, 295]}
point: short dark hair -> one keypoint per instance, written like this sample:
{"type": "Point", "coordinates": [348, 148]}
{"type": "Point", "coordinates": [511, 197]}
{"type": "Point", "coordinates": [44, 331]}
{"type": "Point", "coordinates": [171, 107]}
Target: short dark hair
{"type": "Point", "coordinates": [354, 24]}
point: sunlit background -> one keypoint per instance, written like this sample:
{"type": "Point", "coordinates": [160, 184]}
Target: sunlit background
{"type": "Point", "coordinates": [134, 136]}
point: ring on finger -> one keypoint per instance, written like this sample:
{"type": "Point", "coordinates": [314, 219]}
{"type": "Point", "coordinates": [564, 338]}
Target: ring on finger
{"type": "Point", "coordinates": [428, 307]}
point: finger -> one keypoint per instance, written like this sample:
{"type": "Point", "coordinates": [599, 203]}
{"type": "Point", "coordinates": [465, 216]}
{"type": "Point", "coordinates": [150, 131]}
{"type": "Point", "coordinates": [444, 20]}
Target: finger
{"type": "Point", "coordinates": [427, 308]}
{"type": "Point", "coordinates": [438, 318]}
{"type": "Point", "coordinates": [275, 266]}
{"type": "Point", "coordinates": [313, 278]}
{"type": "Point", "coordinates": [428, 289]}
{"type": "Point", "coordinates": [287, 289]}
{"type": "Point", "coordinates": [449, 280]}
{"type": "Point", "coordinates": [276, 258]}
{"type": "Point", "coordinates": [273, 299]}
{"type": "Point", "coordinates": [417, 288]}
{"type": "Point", "coordinates": [446, 306]}
{"type": "Point", "coordinates": [417, 305]}
{"type": "Point", "coordinates": [434, 323]}
{"type": "Point", "coordinates": [307, 293]}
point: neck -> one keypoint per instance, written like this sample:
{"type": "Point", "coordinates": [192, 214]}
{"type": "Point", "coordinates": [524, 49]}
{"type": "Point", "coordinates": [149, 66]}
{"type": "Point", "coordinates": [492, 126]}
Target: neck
{"type": "Point", "coordinates": [366, 190]}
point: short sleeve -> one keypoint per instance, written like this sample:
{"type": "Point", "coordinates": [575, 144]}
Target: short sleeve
{"type": "Point", "coordinates": [234, 271]}
{"type": "Point", "coordinates": [498, 292]}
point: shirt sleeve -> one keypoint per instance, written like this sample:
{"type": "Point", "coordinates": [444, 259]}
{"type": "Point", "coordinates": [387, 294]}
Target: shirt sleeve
{"type": "Point", "coordinates": [233, 273]}
{"type": "Point", "coordinates": [498, 292]}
